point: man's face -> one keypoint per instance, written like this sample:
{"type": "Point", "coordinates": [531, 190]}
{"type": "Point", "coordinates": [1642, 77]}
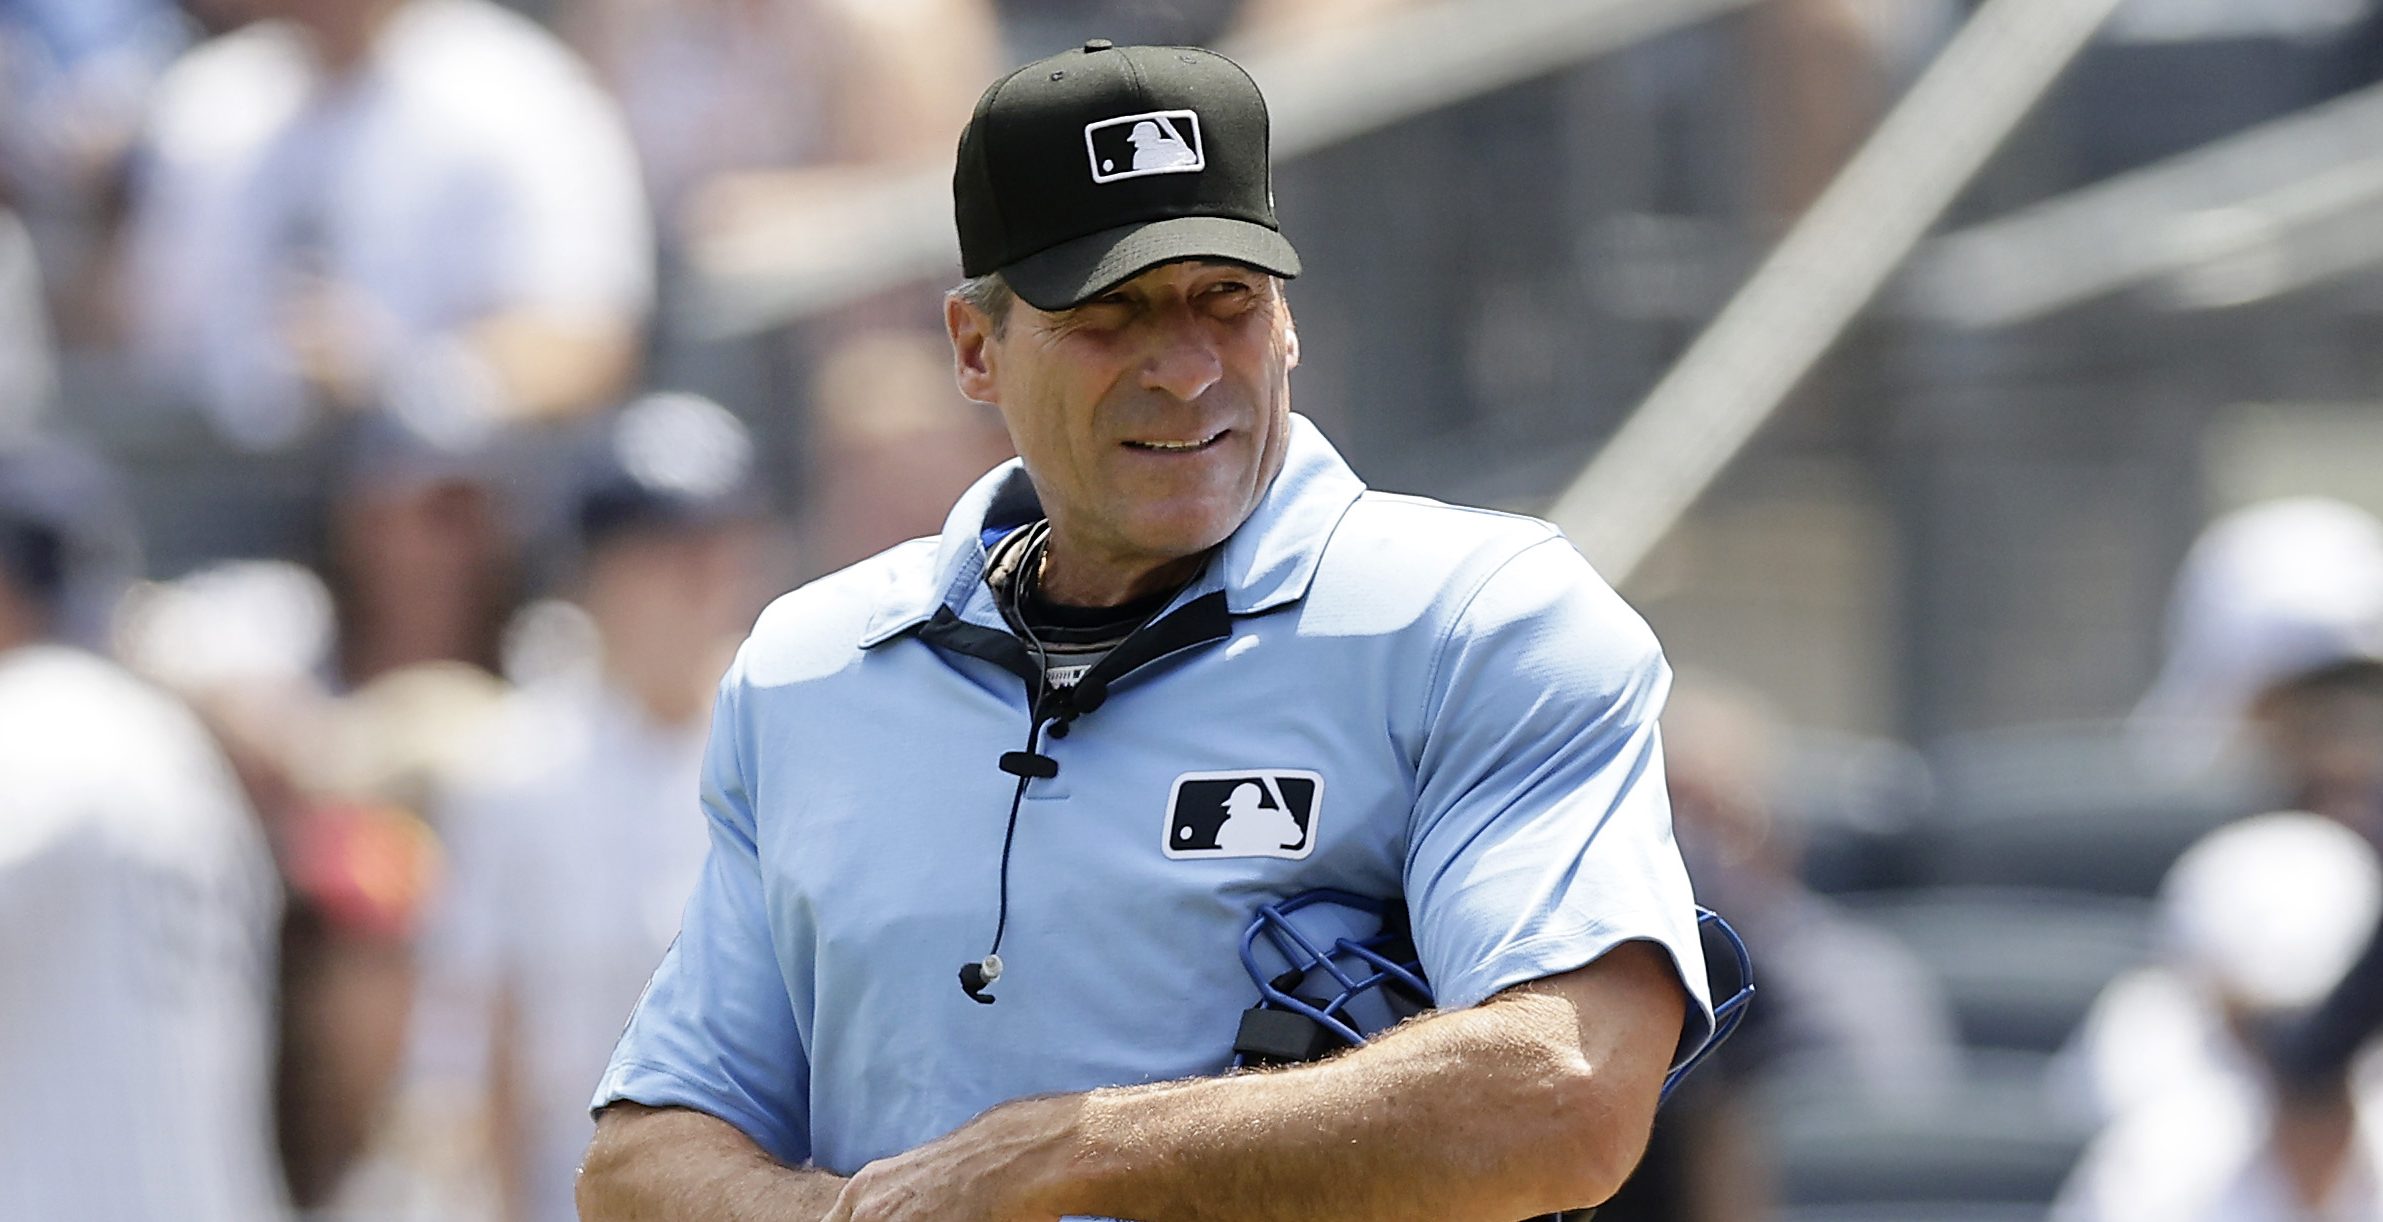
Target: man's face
{"type": "Point", "coordinates": [2324, 732]}
{"type": "Point", "coordinates": [657, 591]}
{"type": "Point", "coordinates": [1150, 418]}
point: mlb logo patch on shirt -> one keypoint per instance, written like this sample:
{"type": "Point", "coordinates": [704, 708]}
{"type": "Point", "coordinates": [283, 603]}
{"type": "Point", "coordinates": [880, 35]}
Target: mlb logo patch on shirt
{"type": "Point", "coordinates": [1158, 142]}
{"type": "Point", "coordinates": [1254, 813]}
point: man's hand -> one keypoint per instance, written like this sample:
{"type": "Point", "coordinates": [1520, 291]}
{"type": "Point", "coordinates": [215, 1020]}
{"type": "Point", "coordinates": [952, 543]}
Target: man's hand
{"type": "Point", "coordinates": [1000, 1167]}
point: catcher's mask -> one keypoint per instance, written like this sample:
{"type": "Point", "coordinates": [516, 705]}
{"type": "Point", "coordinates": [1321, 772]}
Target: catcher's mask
{"type": "Point", "coordinates": [1333, 968]}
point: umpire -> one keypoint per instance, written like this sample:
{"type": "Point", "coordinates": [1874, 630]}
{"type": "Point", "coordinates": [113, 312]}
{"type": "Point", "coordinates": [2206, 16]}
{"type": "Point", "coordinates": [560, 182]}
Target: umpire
{"type": "Point", "coordinates": [1175, 663]}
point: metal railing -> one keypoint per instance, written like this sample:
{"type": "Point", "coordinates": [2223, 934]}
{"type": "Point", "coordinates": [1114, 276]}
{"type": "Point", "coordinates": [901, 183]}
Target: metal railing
{"type": "Point", "coordinates": [1820, 277]}
{"type": "Point", "coordinates": [2278, 208]}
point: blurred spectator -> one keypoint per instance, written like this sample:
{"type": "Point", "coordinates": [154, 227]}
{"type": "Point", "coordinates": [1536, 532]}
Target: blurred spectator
{"type": "Point", "coordinates": [1838, 998]}
{"type": "Point", "coordinates": [577, 841]}
{"type": "Point", "coordinates": [75, 79]}
{"type": "Point", "coordinates": [1821, 74]}
{"type": "Point", "coordinates": [2173, 1030]}
{"type": "Point", "coordinates": [2335, 719]}
{"type": "Point", "coordinates": [784, 97]}
{"type": "Point", "coordinates": [137, 914]}
{"type": "Point", "coordinates": [2275, 646]}
{"type": "Point", "coordinates": [1836, 994]}
{"type": "Point", "coordinates": [363, 861]}
{"type": "Point", "coordinates": [1790, 88]}
{"type": "Point", "coordinates": [764, 125]}
{"type": "Point", "coordinates": [74, 75]}
{"type": "Point", "coordinates": [338, 782]}
{"type": "Point", "coordinates": [28, 378]}
{"type": "Point", "coordinates": [892, 444]}
{"type": "Point", "coordinates": [423, 550]}
{"type": "Point", "coordinates": [2275, 652]}
{"type": "Point", "coordinates": [423, 208]}
{"type": "Point", "coordinates": [2258, 917]}
{"type": "Point", "coordinates": [91, 543]}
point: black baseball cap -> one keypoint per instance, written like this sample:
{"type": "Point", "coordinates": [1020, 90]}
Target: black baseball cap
{"type": "Point", "coordinates": [672, 460]}
{"type": "Point", "coordinates": [1083, 170]}
{"type": "Point", "coordinates": [66, 531]}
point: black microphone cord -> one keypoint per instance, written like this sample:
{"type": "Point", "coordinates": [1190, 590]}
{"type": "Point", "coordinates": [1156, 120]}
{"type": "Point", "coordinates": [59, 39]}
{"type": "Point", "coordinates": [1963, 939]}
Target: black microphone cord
{"type": "Point", "coordinates": [976, 977]}
{"type": "Point", "coordinates": [1026, 765]}
{"type": "Point", "coordinates": [1048, 706]}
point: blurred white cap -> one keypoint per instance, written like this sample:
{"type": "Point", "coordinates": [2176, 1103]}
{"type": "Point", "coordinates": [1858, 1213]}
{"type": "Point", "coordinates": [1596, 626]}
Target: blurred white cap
{"type": "Point", "coordinates": [2268, 593]}
{"type": "Point", "coordinates": [2268, 912]}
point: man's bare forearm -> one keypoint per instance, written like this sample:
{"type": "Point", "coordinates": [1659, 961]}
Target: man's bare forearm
{"type": "Point", "coordinates": [675, 1165]}
{"type": "Point", "coordinates": [1537, 1101]}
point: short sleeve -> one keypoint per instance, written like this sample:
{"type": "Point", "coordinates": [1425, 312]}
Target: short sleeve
{"type": "Point", "coordinates": [715, 1030]}
{"type": "Point", "coordinates": [1541, 833]}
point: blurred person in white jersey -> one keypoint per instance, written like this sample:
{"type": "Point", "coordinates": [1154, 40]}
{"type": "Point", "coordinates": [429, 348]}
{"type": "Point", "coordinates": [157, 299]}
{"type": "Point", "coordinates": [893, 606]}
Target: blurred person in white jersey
{"type": "Point", "coordinates": [420, 208]}
{"type": "Point", "coordinates": [2275, 657]}
{"type": "Point", "coordinates": [573, 849]}
{"type": "Point", "coordinates": [138, 909]}
{"type": "Point", "coordinates": [2257, 919]}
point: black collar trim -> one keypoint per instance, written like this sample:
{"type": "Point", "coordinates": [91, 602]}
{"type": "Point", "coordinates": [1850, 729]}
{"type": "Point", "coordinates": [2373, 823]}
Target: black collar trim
{"type": "Point", "coordinates": [1202, 621]}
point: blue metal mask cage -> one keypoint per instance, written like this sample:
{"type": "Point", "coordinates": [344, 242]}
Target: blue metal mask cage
{"type": "Point", "coordinates": [1311, 1007]}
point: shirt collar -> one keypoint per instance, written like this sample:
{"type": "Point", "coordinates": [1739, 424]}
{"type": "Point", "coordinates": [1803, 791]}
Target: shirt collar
{"type": "Point", "coordinates": [1268, 562]}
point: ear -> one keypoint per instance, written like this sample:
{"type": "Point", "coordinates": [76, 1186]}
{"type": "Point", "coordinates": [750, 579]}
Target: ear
{"type": "Point", "coordinates": [1290, 341]}
{"type": "Point", "coordinates": [971, 332]}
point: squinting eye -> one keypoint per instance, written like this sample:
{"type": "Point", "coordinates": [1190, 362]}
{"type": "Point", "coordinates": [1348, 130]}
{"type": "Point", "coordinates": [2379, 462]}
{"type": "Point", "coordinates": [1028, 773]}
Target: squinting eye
{"type": "Point", "coordinates": [1106, 310]}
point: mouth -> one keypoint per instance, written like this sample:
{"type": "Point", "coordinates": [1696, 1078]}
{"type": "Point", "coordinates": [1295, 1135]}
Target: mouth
{"type": "Point", "coordinates": [1187, 446]}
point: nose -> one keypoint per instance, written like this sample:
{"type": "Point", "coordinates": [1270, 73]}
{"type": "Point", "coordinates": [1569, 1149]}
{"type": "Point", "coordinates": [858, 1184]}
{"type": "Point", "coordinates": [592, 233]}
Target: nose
{"type": "Point", "coordinates": [1184, 364]}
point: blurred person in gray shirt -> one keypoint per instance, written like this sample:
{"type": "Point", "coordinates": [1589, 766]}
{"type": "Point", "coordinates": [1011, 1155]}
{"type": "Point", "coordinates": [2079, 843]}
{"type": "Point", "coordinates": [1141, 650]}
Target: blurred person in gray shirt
{"type": "Point", "coordinates": [576, 840]}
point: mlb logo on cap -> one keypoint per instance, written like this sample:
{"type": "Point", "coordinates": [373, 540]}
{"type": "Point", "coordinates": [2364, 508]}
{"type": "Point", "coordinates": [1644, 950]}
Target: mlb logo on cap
{"type": "Point", "coordinates": [1160, 142]}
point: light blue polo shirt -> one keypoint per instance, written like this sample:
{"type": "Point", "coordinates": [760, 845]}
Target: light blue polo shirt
{"type": "Point", "coordinates": [1421, 700]}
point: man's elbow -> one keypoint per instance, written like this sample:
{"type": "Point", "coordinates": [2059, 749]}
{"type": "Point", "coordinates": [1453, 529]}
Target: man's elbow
{"type": "Point", "coordinates": [594, 1193]}
{"type": "Point", "coordinates": [604, 1190]}
{"type": "Point", "coordinates": [1601, 1135]}
{"type": "Point", "coordinates": [1609, 1056]}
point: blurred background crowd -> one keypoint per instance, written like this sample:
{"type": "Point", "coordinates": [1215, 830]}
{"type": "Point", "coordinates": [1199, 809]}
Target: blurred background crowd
{"type": "Point", "coordinates": [405, 405]}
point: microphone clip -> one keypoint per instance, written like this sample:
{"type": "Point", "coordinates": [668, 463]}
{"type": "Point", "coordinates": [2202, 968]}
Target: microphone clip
{"type": "Point", "coordinates": [976, 977]}
{"type": "Point", "coordinates": [1029, 765]}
